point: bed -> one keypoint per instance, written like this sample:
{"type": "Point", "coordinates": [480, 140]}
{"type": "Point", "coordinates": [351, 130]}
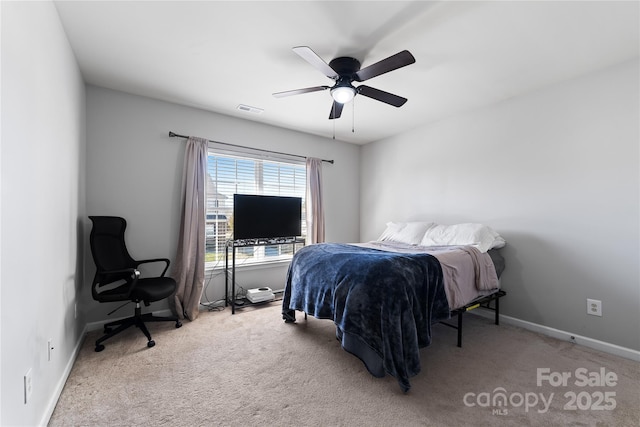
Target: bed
{"type": "Point", "coordinates": [385, 295]}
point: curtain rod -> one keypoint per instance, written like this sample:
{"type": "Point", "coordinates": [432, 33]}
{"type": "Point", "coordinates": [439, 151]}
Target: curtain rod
{"type": "Point", "coordinates": [175, 135]}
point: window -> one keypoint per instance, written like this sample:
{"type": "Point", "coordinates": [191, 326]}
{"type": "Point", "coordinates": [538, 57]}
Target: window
{"type": "Point", "coordinates": [230, 173]}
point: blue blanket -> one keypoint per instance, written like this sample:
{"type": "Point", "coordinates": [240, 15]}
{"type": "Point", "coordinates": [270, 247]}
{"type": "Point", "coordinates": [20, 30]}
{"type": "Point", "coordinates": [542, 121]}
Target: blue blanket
{"type": "Point", "coordinates": [382, 303]}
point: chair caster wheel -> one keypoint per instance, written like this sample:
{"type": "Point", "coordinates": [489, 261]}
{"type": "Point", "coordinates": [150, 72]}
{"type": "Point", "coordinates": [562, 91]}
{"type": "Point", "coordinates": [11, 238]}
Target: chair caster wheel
{"type": "Point", "coordinates": [99, 347]}
{"type": "Point", "coordinates": [178, 324]}
{"type": "Point", "coordinates": [151, 343]}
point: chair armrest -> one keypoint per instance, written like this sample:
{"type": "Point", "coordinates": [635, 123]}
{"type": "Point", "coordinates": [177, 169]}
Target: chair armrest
{"type": "Point", "coordinates": [146, 261]}
{"type": "Point", "coordinates": [96, 283]}
{"type": "Point", "coordinates": [133, 271]}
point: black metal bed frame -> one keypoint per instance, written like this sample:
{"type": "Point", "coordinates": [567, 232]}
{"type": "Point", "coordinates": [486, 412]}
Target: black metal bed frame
{"type": "Point", "coordinates": [484, 302]}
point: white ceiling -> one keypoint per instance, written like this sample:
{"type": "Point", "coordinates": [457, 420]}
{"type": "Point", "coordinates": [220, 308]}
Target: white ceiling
{"type": "Point", "coordinates": [216, 55]}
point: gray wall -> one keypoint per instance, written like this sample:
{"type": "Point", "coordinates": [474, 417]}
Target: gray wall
{"type": "Point", "coordinates": [42, 203]}
{"type": "Point", "coordinates": [134, 170]}
{"type": "Point", "coordinates": [556, 173]}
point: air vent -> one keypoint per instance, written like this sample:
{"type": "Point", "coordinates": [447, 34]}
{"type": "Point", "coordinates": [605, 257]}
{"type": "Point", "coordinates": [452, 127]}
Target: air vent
{"type": "Point", "coordinates": [249, 109]}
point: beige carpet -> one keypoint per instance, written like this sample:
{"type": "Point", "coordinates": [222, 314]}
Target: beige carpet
{"type": "Point", "coordinates": [253, 369]}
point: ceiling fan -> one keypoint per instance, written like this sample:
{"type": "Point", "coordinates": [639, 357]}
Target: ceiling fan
{"type": "Point", "coordinates": [344, 71]}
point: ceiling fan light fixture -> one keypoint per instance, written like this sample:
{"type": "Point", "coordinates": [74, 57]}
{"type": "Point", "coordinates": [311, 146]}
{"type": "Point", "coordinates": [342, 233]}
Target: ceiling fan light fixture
{"type": "Point", "coordinates": [343, 94]}
{"type": "Point", "coordinates": [345, 70]}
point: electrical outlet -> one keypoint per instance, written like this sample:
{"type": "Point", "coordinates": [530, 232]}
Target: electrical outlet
{"type": "Point", "coordinates": [28, 386]}
{"type": "Point", "coordinates": [594, 307]}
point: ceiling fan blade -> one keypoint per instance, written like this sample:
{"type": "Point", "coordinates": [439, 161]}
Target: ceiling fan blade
{"type": "Point", "coordinates": [336, 110]}
{"type": "Point", "coordinates": [399, 60]}
{"type": "Point", "coordinates": [312, 58]}
{"type": "Point", "coordinates": [382, 96]}
{"type": "Point", "coordinates": [300, 91]}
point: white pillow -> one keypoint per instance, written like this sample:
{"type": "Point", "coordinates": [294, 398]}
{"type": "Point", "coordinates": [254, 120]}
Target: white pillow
{"type": "Point", "coordinates": [478, 235]}
{"type": "Point", "coordinates": [393, 228]}
{"type": "Point", "coordinates": [406, 232]}
{"type": "Point", "coordinates": [498, 243]}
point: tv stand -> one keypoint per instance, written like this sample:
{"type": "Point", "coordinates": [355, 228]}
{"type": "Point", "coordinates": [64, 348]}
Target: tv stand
{"type": "Point", "coordinates": [230, 270]}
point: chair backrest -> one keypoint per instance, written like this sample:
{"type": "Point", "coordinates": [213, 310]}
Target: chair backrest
{"type": "Point", "coordinates": [108, 247]}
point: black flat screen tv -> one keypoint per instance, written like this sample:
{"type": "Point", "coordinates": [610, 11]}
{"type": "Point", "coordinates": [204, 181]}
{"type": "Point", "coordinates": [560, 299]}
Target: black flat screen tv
{"type": "Point", "coordinates": [266, 217]}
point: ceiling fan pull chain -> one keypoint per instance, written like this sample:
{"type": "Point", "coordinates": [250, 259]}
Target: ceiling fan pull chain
{"type": "Point", "coordinates": [334, 122]}
{"type": "Point", "coordinates": [353, 116]}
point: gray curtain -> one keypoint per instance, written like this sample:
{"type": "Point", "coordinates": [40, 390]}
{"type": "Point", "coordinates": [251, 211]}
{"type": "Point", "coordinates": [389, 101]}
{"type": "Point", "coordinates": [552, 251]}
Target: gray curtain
{"type": "Point", "coordinates": [315, 209]}
{"type": "Point", "coordinates": [189, 268]}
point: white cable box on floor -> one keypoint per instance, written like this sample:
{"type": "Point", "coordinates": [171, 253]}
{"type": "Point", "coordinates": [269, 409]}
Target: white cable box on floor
{"type": "Point", "coordinates": [260, 295]}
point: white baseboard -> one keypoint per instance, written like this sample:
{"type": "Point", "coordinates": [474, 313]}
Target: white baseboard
{"type": "Point", "coordinates": [53, 401]}
{"type": "Point", "coordinates": [606, 347]}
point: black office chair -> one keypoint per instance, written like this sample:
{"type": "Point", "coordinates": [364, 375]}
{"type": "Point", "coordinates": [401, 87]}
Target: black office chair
{"type": "Point", "coordinates": [115, 267]}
